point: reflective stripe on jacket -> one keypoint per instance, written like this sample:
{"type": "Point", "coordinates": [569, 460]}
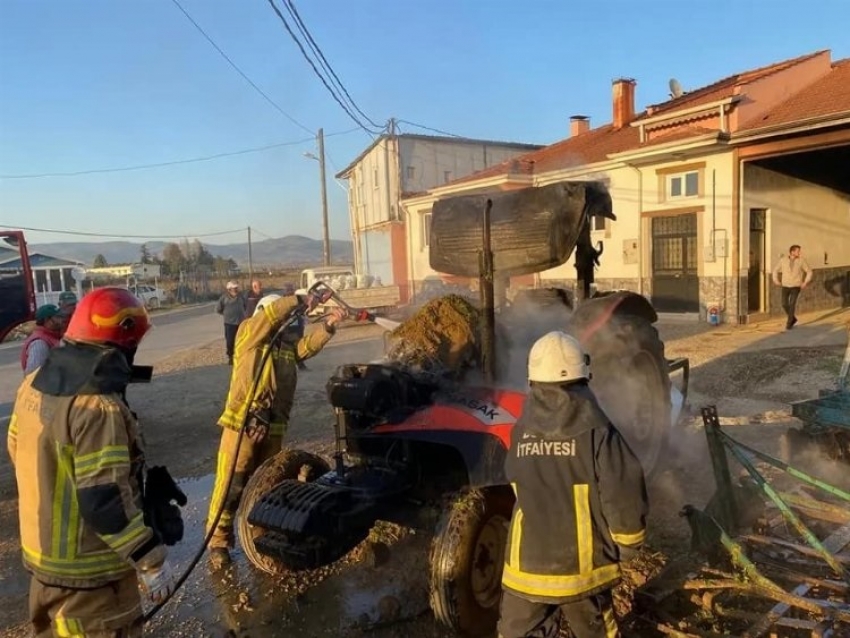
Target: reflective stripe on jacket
{"type": "Point", "coordinates": [580, 494]}
{"type": "Point", "coordinates": [77, 461]}
{"type": "Point", "coordinates": [276, 387]}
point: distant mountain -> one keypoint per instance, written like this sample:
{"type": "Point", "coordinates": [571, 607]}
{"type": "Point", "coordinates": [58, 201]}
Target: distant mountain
{"type": "Point", "coordinates": [292, 250]}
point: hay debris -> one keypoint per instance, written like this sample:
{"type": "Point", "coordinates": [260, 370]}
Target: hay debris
{"type": "Point", "coordinates": [441, 338]}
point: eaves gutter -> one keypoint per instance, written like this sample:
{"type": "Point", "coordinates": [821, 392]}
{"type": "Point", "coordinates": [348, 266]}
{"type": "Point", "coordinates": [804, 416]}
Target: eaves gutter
{"type": "Point", "coordinates": [790, 128]}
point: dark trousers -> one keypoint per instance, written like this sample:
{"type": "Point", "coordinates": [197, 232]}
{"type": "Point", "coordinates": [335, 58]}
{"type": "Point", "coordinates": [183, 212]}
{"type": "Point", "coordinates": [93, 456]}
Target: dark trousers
{"type": "Point", "coordinates": [591, 617]}
{"type": "Point", "coordinates": [230, 337]}
{"type": "Point", "coordinates": [789, 303]}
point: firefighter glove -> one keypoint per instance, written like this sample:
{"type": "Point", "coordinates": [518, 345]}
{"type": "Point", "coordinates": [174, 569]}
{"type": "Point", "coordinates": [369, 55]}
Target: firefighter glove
{"type": "Point", "coordinates": [158, 582]}
{"type": "Point", "coordinates": [257, 428]}
{"type": "Point", "coordinates": [161, 513]}
{"type": "Point", "coordinates": [334, 317]}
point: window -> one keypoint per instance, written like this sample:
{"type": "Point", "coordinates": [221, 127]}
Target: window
{"type": "Point", "coordinates": [683, 185]}
{"type": "Point", "coordinates": [55, 279]}
{"type": "Point", "coordinates": [447, 176]}
{"type": "Point", "coordinates": [597, 223]}
{"type": "Point", "coordinates": [411, 172]}
{"type": "Point", "coordinates": [375, 177]}
{"type": "Point", "coordinates": [426, 230]}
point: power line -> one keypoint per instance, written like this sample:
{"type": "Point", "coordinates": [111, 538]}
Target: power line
{"type": "Point", "coordinates": [238, 70]}
{"type": "Point", "coordinates": [316, 71]}
{"type": "Point", "coordinates": [290, 6]}
{"type": "Point", "coordinates": [121, 236]}
{"type": "Point", "coordinates": [428, 128]}
{"type": "Point", "coordinates": [203, 158]}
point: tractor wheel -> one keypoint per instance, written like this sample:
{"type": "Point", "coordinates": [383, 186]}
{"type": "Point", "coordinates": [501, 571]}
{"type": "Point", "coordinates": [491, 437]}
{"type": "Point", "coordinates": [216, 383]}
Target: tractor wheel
{"type": "Point", "coordinates": [467, 557]}
{"type": "Point", "coordinates": [286, 464]}
{"type": "Point", "coordinates": [631, 381]}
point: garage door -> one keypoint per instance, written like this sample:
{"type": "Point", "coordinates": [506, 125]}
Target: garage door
{"type": "Point", "coordinates": [675, 284]}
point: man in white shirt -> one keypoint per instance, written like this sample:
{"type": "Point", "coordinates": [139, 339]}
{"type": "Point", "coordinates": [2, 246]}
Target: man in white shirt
{"type": "Point", "coordinates": [793, 273]}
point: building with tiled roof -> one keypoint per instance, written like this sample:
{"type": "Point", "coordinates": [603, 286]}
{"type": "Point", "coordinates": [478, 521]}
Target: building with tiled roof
{"type": "Point", "coordinates": [399, 164]}
{"type": "Point", "coordinates": [709, 189]}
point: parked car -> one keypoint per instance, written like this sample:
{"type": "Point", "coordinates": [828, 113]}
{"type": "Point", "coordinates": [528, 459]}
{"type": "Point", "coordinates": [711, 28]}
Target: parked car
{"type": "Point", "coordinates": [151, 296]}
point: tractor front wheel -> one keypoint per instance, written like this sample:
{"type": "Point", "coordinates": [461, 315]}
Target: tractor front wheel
{"type": "Point", "coordinates": [467, 558]}
{"type": "Point", "coordinates": [286, 464]}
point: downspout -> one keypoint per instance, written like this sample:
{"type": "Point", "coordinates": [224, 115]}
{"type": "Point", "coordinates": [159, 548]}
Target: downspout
{"type": "Point", "coordinates": [640, 225]}
{"type": "Point", "coordinates": [388, 199]}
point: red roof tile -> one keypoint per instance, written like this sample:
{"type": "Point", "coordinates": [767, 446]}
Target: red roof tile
{"type": "Point", "coordinates": [597, 144]}
{"type": "Point", "coordinates": [827, 95]}
{"type": "Point", "coordinates": [726, 87]}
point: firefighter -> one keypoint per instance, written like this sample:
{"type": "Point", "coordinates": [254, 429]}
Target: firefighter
{"type": "Point", "coordinates": [78, 459]}
{"type": "Point", "coordinates": [268, 414]}
{"type": "Point", "coordinates": [581, 502]}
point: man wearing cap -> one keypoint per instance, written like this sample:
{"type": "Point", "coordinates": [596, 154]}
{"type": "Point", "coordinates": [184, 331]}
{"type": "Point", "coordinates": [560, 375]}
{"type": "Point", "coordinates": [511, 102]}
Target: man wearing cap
{"type": "Point", "coordinates": [67, 302]}
{"type": "Point", "coordinates": [231, 306]}
{"type": "Point", "coordinates": [50, 324]}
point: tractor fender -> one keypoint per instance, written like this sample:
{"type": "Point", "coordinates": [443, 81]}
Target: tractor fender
{"type": "Point", "coordinates": [475, 422]}
{"type": "Point", "coordinates": [482, 454]}
{"type": "Point", "coordinates": [594, 313]}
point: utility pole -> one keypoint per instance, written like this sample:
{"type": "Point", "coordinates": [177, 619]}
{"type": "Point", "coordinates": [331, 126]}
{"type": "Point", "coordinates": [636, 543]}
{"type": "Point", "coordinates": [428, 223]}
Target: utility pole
{"type": "Point", "coordinates": [250, 256]}
{"type": "Point", "coordinates": [325, 232]}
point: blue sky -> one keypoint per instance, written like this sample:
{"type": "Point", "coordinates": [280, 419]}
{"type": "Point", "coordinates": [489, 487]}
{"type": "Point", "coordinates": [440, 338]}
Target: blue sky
{"type": "Point", "coordinates": [91, 84]}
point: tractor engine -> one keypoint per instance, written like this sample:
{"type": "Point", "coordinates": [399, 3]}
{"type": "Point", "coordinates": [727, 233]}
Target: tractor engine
{"type": "Point", "coordinates": [305, 525]}
{"type": "Point", "coordinates": [366, 395]}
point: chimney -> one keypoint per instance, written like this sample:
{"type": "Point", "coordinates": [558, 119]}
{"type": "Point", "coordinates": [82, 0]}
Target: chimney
{"type": "Point", "coordinates": [579, 124]}
{"type": "Point", "coordinates": [624, 102]}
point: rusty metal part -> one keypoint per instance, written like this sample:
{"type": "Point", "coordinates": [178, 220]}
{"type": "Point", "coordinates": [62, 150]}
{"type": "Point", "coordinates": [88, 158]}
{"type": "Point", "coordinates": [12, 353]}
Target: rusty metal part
{"type": "Point", "coordinates": [778, 585]}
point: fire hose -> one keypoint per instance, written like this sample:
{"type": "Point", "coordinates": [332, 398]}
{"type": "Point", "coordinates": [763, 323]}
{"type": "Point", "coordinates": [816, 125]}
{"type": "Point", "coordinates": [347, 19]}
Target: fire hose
{"type": "Point", "coordinates": [323, 293]}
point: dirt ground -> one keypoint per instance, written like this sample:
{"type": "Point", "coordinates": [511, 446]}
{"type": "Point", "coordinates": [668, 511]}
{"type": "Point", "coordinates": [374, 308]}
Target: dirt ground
{"type": "Point", "coordinates": [742, 371]}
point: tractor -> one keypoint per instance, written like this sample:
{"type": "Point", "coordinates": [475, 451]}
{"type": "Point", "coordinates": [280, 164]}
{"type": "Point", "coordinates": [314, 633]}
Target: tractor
{"type": "Point", "coordinates": [419, 450]}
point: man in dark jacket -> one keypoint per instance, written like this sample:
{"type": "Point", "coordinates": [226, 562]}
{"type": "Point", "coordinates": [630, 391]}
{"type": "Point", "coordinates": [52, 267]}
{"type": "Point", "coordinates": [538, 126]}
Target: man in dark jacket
{"type": "Point", "coordinates": [231, 306]}
{"type": "Point", "coordinates": [581, 502]}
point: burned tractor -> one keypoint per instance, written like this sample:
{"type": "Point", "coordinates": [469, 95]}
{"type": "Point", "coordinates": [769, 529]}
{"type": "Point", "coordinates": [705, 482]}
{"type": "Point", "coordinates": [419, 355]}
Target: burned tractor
{"type": "Point", "coordinates": [428, 451]}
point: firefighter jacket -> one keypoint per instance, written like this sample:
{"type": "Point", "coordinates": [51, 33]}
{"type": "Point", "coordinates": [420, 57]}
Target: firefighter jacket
{"type": "Point", "coordinates": [580, 493]}
{"type": "Point", "coordinates": [78, 463]}
{"type": "Point", "coordinates": [276, 387]}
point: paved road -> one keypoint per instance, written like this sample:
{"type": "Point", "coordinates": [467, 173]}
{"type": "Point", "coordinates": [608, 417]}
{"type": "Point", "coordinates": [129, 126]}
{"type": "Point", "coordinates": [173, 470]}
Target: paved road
{"type": "Point", "coordinates": [173, 331]}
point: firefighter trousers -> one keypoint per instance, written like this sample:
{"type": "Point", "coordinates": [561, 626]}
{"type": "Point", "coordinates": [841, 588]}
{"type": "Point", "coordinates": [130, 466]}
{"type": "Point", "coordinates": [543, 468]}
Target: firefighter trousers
{"type": "Point", "coordinates": [591, 617]}
{"type": "Point", "coordinates": [251, 455]}
{"type": "Point", "coordinates": [111, 611]}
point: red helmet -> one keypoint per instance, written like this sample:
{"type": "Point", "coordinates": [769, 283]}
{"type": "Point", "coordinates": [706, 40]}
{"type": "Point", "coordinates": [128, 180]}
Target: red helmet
{"type": "Point", "coordinates": [109, 315]}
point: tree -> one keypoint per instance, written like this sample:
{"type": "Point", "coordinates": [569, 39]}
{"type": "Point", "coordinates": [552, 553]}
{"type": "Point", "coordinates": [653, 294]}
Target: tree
{"type": "Point", "coordinates": [172, 258]}
{"type": "Point", "coordinates": [200, 255]}
{"type": "Point", "coordinates": [144, 254]}
{"type": "Point", "coordinates": [99, 261]}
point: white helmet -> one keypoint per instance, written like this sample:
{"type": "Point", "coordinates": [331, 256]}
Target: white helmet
{"type": "Point", "coordinates": [557, 358]}
{"type": "Point", "coordinates": [265, 301]}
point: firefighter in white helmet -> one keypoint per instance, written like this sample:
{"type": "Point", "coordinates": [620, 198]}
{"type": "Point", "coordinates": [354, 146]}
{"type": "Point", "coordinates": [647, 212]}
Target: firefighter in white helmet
{"type": "Point", "coordinates": [269, 412]}
{"type": "Point", "coordinates": [581, 502]}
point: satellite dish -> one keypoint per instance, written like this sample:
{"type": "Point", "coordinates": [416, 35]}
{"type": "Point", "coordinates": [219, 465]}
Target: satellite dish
{"type": "Point", "coordinates": [675, 88]}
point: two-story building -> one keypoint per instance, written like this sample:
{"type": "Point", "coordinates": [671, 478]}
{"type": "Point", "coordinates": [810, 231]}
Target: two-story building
{"type": "Point", "coordinates": [394, 166]}
{"type": "Point", "coordinates": [709, 188]}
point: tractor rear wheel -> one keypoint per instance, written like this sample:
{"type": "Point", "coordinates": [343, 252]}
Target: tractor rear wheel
{"type": "Point", "coordinates": [467, 557]}
{"type": "Point", "coordinates": [286, 464]}
{"type": "Point", "coordinates": [631, 380]}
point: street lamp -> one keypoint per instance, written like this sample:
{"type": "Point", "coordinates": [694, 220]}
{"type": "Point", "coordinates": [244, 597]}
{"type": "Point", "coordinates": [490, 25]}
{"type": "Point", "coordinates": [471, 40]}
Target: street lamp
{"type": "Point", "coordinates": [321, 160]}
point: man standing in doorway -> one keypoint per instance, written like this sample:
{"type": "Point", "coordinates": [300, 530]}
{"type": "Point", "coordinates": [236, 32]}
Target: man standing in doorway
{"type": "Point", "coordinates": [793, 273]}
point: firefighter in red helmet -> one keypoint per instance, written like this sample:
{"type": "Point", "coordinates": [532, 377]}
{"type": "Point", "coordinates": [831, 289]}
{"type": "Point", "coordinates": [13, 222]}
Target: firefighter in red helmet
{"type": "Point", "coordinates": [78, 463]}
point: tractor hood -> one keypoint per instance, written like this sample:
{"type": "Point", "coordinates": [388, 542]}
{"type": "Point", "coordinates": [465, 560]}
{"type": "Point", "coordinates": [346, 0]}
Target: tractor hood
{"type": "Point", "coordinates": [532, 229]}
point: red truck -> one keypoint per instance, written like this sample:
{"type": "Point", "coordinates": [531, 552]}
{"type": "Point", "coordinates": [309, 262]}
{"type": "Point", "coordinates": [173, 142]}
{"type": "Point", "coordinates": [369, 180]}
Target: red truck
{"type": "Point", "coordinates": [17, 292]}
